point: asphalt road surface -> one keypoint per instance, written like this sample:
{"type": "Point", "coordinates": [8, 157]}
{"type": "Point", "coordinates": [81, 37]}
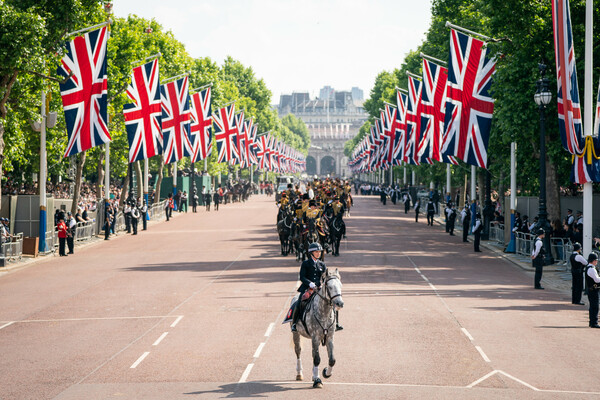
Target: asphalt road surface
{"type": "Point", "coordinates": [193, 308]}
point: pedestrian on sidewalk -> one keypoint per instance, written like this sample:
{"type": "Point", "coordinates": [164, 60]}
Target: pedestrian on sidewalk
{"type": "Point", "coordinates": [169, 206]}
{"type": "Point", "coordinates": [578, 264]}
{"type": "Point", "coordinates": [477, 228]}
{"type": "Point", "coordinates": [537, 257]}
{"type": "Point", "coordinates": [592, 281]}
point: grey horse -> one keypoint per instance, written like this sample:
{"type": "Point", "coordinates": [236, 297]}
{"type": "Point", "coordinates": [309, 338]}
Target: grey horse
{"type": "Point", "coordinates": [320, 325]}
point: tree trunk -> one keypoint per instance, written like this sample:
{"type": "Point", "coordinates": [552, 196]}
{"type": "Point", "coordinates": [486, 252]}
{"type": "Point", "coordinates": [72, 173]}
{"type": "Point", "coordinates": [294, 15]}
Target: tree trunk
{"type": "Point", "coordinates": [158, 182]}
{"type": "Point", "coordinates": [501, 190]}
{"type": "Point", "coordinates": [140, 180]}
{"type": "Point", "coordinates": [79, 163]}
{"type": "Point", "coordinates": [100, 181]}
{"type": "Point", "coordinates": [124, 193]}
{"type": "Point", "coordinates": [481, 187]}
{"type": "Point", "coordinates": [552, 191]}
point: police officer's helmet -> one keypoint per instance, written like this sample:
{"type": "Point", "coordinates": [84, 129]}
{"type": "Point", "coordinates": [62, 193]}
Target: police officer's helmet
{"type": "Point", "coordinates": [576, 246]}
{"type": "Point", "coordinates": [540, 232]}
{"type": "Point", "coordinates": [314, 247]}
{"type": "Point", "coordinates": [592, 257]}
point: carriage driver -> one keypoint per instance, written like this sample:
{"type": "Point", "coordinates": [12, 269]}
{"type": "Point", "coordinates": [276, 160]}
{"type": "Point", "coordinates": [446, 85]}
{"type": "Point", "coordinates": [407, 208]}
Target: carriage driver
{"type": "Point", "coordinates": [311, 272]}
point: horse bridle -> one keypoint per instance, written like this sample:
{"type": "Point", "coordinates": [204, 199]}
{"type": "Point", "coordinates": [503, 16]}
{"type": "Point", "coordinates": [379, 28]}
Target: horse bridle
{"type": "Point", "coordinates": [329, 296]}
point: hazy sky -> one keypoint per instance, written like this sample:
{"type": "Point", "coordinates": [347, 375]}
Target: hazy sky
{"type": "Point", "coordinates": [299, 45]}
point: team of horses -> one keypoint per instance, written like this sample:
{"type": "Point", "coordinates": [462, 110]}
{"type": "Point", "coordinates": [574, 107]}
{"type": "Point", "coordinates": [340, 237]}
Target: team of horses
{"type": "Point", "coordinates": [296, 235]}
{"type": "Point", "coordinates": [318, 322]}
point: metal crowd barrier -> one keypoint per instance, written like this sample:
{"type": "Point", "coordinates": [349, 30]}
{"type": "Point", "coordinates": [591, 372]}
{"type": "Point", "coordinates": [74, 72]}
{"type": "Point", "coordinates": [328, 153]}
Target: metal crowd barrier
{"type": "Point", "coordinates": [157, 211]}
{"type": "Point", "coordinates": [120, 222]}
{"type": "Point", "coordinates": [85, 230]}
{"type": "Point", "coordinates": [561, 250]}
{"type": "Point", "coordinates": [524, 241]}
{"type": "Point", "coordinates": [14, 249]}
{"type": "Point", "coordinates": [497, 233]}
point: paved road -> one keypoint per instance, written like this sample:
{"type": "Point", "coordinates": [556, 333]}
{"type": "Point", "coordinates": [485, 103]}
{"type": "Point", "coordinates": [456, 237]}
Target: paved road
{"type": "Point", "coordinates": [193, 309]}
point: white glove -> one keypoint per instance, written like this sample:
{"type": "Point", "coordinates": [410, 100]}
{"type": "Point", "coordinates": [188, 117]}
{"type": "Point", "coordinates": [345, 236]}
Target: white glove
{"type": "Point", "coordinates": [312, 285]}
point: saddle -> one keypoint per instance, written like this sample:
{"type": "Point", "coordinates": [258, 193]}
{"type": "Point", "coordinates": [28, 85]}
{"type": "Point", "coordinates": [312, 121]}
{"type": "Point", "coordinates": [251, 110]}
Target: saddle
{"type": "Point", "coordinates": [306, 301]}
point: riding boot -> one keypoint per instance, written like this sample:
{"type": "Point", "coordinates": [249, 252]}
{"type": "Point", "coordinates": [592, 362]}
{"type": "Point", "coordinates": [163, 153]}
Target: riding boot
{"type": "Point", "coordinates": [296, 314]}
{"type": "Point", "coordinates": [338, 327]}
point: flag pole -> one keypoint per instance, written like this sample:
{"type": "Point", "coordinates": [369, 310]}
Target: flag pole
{"type": "Point", "coordinates": [89, 28]}
{"type": "Point", "coordinates": [42, 179]}
{"type": "Point", "coordinates": [401, 90]}
{"type": "Point", "coordinates": [433, 59]}
{"type": "Point", "coordinates": [153, 56]}
{"type": "Point", "coordinates": [174, 78]}
{"type": "Point", "coordinates": [419, 77]}
{"type": "Point", "coordinates": [588, 122]}
{"type": "Point", "coordinates": [464, 30]}
{"type": "Point", "coordinates": [202, 87]}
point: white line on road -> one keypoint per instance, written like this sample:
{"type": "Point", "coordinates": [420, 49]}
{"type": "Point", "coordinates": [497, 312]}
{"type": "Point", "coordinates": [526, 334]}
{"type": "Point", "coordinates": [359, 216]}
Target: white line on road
{"type": "Point", "coordinates": [139, 360]}
{"type": "Point", "coordinates": [267, 333]}
{"type": "Point", "coordinates": [160, 339]}
{"type": "Point", "coordinates": [467, 334]}
{"type": "Point", "coordinates": [485, 358]}
{"type": "Point", "coordinates": [259, 349]}
{"type": "Point", "coordinates": [176, 321]}
{"type": "Point", "coordinates": [7, 324]}
{"type": "Point", "coordinates": [246, 373]}
{"type": "Point", "coordinates": [433, 287]}
{"type": "Point", "coordinates": [418, 270]}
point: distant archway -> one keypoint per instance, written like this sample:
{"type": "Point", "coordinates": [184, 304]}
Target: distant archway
{"type": "Point", "coordinates": [327, 166]}
{"type": "Point", "coordinates": [311, 165]}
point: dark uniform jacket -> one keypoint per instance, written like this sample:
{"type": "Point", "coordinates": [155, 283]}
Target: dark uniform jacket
{"type": "Point", "coordinates": [311, 271]}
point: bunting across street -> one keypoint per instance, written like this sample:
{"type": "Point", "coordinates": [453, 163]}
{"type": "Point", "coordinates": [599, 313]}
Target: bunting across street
{"type": "Point", "coordinates": [143, 116]}
{"type": "Point", "coordinates": [84, 92]}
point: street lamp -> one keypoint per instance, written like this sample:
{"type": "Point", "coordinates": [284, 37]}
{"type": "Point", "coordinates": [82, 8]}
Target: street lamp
{"type": "Point", "coordinates": [542, 98]}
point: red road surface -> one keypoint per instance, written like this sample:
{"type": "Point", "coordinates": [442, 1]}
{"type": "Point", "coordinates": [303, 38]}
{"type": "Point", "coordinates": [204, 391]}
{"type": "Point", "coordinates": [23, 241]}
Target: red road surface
{"type": "Point", "coordinates": [193, 307]}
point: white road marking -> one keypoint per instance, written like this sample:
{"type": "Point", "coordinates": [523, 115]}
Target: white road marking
{"type": "Point", "coordinates": [418, 270]}
{"type": "Point", "coordinates": [258, 350]}
{"type": "Point", "coordinates": [433, 287]}
{"type": "Point", "coordinates": [267, 333]}
{"type": "Point", "coordinates": [467, 334]}
{"type": "Point", "coordinates": [176, 321]}
{"type": "Point", "coordinates": [160, 339]}
{"type": "Point", "coordinates": [90, 319]}
{"type": "Point", "coordinates": [485, 358]}
{"type": "Point", "coordinates": [139, 360]}
{"type": "Point", "coordinates": [246, 373]}
{"type": "Point", "coordinates": [7, 324]}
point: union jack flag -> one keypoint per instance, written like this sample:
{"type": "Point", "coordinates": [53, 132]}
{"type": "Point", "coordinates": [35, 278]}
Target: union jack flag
{"type": "Point", "coordinates": [433, 109]}
{"type": "Point", "coordinates": [238, 139]}
{"type": "Point", "coordinates": [400, 127]}
{"type": "Point", "coordinates": [226, 134]}
{"type": "Point", "coordinates": [143, 116]}
{"type": "Point", "coordinates": [413, 121]}
{"type": "Point", "coordinates": [201, 126]}
{"type": "Point", "coordinates": [84, 94]}
{"type": "Point", "coordinates": [262, 153]}
{"type": "Point", "coordinates": [253, 145]}
{"type": "Point", "coordinates": [176, 119]}
{"type": "Point", "coordinates": [469, 106]}
{"type": "Point", "coordinates": [569, 110]}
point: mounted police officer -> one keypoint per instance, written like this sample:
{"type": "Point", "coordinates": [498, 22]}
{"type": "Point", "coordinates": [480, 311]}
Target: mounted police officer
{"type": "Point", "coordinates": [311, 272]}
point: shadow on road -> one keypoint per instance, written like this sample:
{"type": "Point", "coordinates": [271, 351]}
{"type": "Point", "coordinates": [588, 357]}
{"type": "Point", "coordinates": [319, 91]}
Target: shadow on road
{"type": "Point", "coordinates": [250, 389]}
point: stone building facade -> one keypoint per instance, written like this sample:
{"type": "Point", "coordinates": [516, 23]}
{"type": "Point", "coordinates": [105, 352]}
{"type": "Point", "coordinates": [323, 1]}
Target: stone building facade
{"type": "Point", "coordinates": [331, 122]}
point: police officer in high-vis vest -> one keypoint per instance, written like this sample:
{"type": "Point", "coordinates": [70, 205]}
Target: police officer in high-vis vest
{"type": "Point", "coordinates": [537, 258]}
{"type": "Point", "coordinates": [578, 265]}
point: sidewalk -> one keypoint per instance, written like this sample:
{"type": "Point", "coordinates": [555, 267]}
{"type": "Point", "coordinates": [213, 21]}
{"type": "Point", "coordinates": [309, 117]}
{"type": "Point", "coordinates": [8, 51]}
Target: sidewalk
{"type": "Point", "coordinates": [27, 260]}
